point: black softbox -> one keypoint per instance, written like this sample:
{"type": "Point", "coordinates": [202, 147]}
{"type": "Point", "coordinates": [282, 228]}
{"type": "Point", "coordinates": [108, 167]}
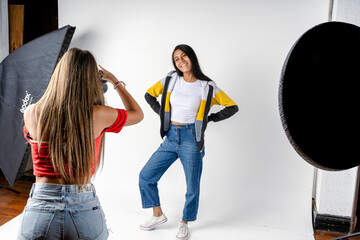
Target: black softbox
{"type": "Point", "coordinates": [24, 76]}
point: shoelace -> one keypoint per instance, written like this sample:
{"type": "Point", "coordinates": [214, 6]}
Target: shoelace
{"type": "Point", "coordinates": [182, 229]}
{"type": "Point", "coordinates": [150, 220]}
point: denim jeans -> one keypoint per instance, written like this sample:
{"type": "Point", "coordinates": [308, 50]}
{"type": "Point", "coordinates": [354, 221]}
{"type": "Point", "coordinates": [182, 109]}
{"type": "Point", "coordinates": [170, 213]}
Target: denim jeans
{"type": "Point", "coordinates": [55, 212]}
{"type": "Point", "coordinates": [179, 143]}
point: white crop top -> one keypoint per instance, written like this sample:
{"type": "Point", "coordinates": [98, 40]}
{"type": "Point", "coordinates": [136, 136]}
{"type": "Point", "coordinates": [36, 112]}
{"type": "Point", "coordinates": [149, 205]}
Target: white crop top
{"type": "Point", "coordinates": [185, 100]}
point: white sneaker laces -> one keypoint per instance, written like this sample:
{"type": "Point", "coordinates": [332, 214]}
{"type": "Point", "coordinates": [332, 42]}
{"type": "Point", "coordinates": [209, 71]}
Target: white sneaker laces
{"type": "Point", "coordinates": [183, 231]}
{"type": "Point", "coordinates": [150, 220]}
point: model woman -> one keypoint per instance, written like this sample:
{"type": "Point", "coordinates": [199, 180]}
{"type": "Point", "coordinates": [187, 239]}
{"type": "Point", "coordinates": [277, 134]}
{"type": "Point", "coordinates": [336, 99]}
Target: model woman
{"type": "Point", "coordinates": [66, 129]}
{"type": "Point", "coordinates": [187, 96]}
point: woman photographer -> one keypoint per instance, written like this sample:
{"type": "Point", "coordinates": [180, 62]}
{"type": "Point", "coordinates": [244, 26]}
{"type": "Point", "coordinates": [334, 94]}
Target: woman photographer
{"type": "Point", "coordinates": [66, 131]}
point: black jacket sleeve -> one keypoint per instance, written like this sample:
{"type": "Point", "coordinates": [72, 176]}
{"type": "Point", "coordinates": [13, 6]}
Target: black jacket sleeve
{"type": "Point", "coordinates": [223, 114]}
{"type": "Point", "coordinates": [153, 102]}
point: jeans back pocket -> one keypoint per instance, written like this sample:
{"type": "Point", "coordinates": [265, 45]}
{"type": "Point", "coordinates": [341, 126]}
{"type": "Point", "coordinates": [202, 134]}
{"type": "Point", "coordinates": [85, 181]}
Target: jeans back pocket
{"type": "Point", "coordinates": [89, 223]}
{"type": "Point", "coordinates": [36, 222]}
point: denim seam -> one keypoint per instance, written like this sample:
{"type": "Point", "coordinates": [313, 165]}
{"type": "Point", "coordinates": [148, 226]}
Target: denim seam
{"type": "Point", "coordinates": [151, 206]}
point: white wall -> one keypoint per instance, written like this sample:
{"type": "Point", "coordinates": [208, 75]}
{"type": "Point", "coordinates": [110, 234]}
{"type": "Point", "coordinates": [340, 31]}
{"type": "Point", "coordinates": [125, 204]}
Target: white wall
{"type": "Point", "coordinates": [346, 11]}
{"type": "Point", "coordinates": [252, 176]}
{"type": "Point", "coordinates": [336, 192]}
{"type": "Point", "coordinates": [4, 29]}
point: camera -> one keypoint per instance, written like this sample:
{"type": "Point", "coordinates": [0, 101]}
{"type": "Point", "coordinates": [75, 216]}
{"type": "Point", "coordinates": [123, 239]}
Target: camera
{"type": "Point", "coordinates": [103, 82]}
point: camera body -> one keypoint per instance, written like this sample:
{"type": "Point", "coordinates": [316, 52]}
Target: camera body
{"type": "Point", "coordinates": [103, 82]}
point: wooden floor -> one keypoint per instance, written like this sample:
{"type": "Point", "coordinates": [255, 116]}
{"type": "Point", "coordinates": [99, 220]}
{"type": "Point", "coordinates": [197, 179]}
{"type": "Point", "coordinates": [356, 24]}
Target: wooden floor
{"type": "Point", "coordinates": [12, 204]}
{"type": "Point", "coordinates": [319, 235]}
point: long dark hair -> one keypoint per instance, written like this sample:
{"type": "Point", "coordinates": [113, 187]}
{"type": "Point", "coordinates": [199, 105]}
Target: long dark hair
{"type": "Point", "coordinates": [194, 62]}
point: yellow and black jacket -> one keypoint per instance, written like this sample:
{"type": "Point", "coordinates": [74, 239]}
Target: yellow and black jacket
{"type": "Point", "coordinates": [211, 95]}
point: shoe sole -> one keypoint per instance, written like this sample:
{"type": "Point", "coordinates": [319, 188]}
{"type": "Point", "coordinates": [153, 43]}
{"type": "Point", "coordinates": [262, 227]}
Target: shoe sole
{"type": "Point", "coordinates": [153, 226]}
{"type": "Point", "coordinates": [184, 238]}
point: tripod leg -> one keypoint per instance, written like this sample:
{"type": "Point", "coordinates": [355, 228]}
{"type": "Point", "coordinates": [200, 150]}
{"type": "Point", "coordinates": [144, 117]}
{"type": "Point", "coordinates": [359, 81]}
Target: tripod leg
{"type": "Point", "coordinates": [10, 189]}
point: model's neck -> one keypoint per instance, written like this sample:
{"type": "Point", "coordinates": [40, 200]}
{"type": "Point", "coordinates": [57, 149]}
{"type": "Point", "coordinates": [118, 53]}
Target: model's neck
{"type": "Point", "coordinates": [189, 77]}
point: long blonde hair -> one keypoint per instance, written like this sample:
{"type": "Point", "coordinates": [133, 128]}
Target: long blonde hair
{"type": "Point", "coordinates": [65, 118]}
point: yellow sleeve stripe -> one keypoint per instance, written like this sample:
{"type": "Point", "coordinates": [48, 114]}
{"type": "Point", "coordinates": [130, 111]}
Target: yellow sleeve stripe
{"type": "Point", "coordinates": [156, 90]}
{"type": "Point", "coordinates": [200, 115]}
{"type": "Point", "coordinates": [222, 99]}
{"type": "Point", "coordinates": [167, 102]}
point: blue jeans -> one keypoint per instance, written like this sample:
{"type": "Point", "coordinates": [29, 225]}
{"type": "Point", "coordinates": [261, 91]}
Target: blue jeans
{"type": "Point", "coordinates": [179, 143]}
{"type": "Point", "coordinates": [55, 211]}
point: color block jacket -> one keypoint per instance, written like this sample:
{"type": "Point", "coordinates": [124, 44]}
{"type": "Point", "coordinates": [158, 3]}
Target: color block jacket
{"type": "Point", "coordinates": [211, 95]}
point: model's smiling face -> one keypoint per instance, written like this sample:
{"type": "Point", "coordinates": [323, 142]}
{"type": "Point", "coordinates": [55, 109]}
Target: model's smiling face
{"type": "Point", "coordinates": [182, 61]}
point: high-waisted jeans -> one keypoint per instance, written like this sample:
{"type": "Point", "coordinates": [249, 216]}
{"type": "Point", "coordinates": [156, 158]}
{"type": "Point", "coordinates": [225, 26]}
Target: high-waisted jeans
{"type": "Point", "coordinates": [179, 143]}
{"type": "Point", "coordinates": [55, 212]}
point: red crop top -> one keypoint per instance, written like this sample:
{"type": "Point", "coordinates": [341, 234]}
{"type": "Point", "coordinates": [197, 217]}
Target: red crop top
{"type": "Point", "coordinates": [41, 160]}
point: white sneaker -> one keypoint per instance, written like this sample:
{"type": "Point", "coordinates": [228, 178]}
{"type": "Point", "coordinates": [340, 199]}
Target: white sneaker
{"type": "Point", "coordinates": [183, 232]}
{"type": "Point", "coordinates": [153, 222]}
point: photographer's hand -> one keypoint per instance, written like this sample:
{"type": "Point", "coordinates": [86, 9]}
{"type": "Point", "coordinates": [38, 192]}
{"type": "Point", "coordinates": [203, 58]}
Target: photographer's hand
{"type": "Point", "coordinates": [108, 76]}
{"type": "Point", "coordinates": [135, 114]}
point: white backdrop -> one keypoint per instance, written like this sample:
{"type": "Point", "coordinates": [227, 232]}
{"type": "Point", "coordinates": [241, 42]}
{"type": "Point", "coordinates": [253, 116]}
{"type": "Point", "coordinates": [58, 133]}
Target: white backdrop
{"type": "Point", "coordinates": [4, 30]}
{"type": "Point", "coordinates": [252, 177]}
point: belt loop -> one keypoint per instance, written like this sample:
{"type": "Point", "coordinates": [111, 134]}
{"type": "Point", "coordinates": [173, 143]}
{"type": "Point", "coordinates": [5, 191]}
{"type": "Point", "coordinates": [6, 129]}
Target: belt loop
{"type": "Point", "coordinates": [32, 190]}
{"type": "Point", "coordinates": [93, 188]}
{"type": "Point", "coordinates": [62, 192]}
